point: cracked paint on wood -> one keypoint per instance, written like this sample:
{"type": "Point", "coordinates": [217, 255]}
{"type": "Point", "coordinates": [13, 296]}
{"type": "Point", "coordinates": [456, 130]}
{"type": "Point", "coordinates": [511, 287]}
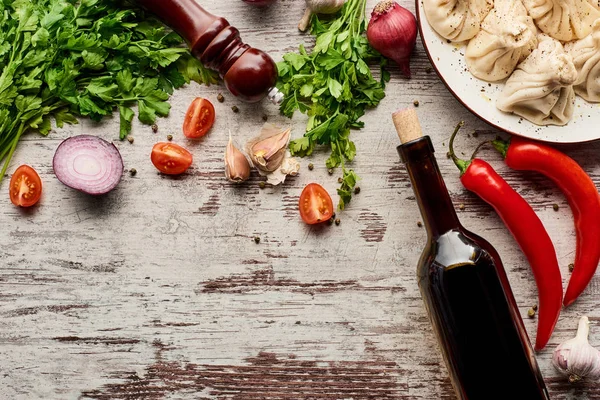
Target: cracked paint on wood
{"type": "Point", "coordinates": [158, 290]}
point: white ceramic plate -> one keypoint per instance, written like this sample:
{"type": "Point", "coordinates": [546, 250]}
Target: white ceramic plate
{"type": "Point", "coordinates": [480, 97]}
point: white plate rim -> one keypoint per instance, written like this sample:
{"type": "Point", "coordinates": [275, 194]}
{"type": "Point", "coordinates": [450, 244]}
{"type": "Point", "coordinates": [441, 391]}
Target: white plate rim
{"type": "Point", "coordinates": [551, 133]}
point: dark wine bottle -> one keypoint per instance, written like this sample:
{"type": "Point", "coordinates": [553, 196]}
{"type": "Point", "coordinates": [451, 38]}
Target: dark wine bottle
{"type": "Point", "coordinates": [465, 289]}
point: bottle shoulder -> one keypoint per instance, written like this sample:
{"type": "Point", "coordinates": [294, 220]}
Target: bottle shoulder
{"type": "Point", "coordinates": [456, 248]}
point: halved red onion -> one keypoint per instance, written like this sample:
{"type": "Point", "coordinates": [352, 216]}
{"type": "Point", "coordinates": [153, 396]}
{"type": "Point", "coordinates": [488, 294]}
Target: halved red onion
{"type": "Point", "coordinates": [88, 163]}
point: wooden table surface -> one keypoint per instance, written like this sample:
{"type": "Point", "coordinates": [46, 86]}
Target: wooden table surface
{"type": "Point", "coordinates": [158, 290]}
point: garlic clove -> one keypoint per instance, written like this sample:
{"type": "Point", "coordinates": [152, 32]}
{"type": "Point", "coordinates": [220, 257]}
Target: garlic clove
{"type": "Point", "coordinates": [237, 167]}
{"type": "Point", "coordinates": [319, 7]}
{"type": "Point", "coordinates": [289, 167]}
{"type": "Point", "coordinates": [324, 6]}
{"type": "Point", "coordinates": [267, 150]}
{"type": "Point", "coordinates": [576, 358]}
{"type": "Point", "coordinates": [303, 24]}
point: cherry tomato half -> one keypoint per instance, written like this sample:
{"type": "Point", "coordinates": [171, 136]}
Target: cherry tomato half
{"type": "Point", "coordinates": [315, 204]}
{"type": "Point", "coordinates": [199, 118]}
{"type": "Point", "coordinates": [25, 187]}
{"type": "Point", "coordinates": [170, 158]}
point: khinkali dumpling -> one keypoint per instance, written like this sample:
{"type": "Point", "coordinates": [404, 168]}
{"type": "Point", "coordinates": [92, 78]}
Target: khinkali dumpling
{"type": "Point", "coordinates": [564, 19]}
{"type": "Point", "coordinates": [541, 88]}
{"type": "Point", "coordinates": [457, 20]}
{"type": "Point", "coordinates": [507, 37]}
{"type": "Point", "coordinates": [586, 57]}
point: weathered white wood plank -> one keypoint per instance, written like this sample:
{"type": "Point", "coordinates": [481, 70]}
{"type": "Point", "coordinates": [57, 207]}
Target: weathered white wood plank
{"type": "Point", "coordinates": [158, 290]}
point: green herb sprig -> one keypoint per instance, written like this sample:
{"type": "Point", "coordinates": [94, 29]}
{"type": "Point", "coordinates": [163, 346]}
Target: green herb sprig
{"type": "Point", "coordinates": [64, 59]}
{"type": "Point", "coordinates": [333, 85]}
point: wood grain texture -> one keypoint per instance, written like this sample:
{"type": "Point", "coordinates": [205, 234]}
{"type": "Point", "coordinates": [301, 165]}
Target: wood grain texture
{"type": "Point", "coordinates": [158, 290]}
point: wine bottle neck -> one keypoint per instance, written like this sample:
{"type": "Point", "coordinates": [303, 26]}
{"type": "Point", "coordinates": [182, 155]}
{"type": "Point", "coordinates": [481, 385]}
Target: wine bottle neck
{"type": "Point", "coordinates": [430, 190]}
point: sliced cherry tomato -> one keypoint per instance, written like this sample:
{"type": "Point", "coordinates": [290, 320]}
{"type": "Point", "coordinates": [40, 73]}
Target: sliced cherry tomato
{"type": "Point", "coordinates": [171, 158]}
{"type": "Point", "coordinates": [315, 204]}
{"type": "Point", "coordinates": [199, 118]}
{"type": "Point", "coordinates": [25, 187]}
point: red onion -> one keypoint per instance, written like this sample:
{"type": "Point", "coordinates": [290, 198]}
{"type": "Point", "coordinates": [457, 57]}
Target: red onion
{"type": "Point", "coordinates": [260, 3]}
{"type": "Point", "coordinates": [88, 164]}
{"type": "Point", "coordinates": [392, 31]}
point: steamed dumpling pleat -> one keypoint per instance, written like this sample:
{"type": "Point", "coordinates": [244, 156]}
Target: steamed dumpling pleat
{"type": "Point", "coordinates": [564, 19]}
{"type": "Point", "coordinates": [456, 20]}
{"type": "Point", "coordinates": [541, 88]}
{"type": "Point", "coordinates": [507, 37]}
{"type": "Point", "coordinates": [586, 57]}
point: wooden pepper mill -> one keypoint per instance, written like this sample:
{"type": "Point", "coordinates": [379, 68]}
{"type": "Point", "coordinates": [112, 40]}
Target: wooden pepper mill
{"type": "Point", "coordinates": [249, 74]}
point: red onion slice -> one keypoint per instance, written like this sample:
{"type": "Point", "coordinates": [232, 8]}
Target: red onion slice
{"type": "Point", "coordinates": [88, 163]}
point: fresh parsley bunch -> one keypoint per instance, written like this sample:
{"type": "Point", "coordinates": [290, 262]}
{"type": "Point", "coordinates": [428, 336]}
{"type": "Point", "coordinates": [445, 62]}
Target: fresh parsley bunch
{"type": "Point", "coordinates": [64, 59]}
{"type": "Point", "coordinates": [334, 86]}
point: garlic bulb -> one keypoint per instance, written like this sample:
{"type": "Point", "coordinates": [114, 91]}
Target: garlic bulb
{"type": "Point", "coordinates": [576, 358]}
{"type": "Point", "coordinates": [237, 167]}
{"type": "Point", "coordinates": [267, 150]}
{"type": "Point", "coordinates": [319, 7]}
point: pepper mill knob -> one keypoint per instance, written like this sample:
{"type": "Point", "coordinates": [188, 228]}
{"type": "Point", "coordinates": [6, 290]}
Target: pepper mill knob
{"type": "Point", "coordinates": [252, 76]}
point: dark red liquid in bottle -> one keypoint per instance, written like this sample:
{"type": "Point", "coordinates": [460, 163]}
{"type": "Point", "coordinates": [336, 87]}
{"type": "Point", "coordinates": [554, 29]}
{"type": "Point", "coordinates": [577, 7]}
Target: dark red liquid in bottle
{"type": "Point", "coordinates": [468, 297]}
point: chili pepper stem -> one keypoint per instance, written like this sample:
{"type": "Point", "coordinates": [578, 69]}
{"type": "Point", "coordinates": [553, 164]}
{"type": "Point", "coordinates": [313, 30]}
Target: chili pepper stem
{"type": "Point", "coordinates": [461, 164]}
{"type": "Point", "coordinates": [501, 146]}
{"type": "Point", "coordinates": [479, 148]}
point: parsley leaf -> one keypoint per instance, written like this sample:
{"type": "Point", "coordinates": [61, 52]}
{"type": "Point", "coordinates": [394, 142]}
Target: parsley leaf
{"type": "Point", "coordinates": [345, 191]}
{"type": "Point", "coordinates": [65, 59]}
{"type": "Point", "coordinates": [334, 85]}
{"type": "Point", "coordinates": [125, 116]}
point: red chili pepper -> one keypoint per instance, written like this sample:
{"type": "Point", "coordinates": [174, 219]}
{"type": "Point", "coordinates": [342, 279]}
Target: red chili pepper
{"type": "Point", "coordinates": [581, 193]}
{"type": "Point", "coordinates": [527, 229]}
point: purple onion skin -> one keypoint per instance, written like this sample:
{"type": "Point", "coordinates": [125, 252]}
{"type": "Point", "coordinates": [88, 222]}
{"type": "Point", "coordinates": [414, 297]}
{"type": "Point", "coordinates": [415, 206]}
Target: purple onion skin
{"type": "Point", "coordinates": [260, 3]}
{"type": "Point", "coordinates": [392, 31]}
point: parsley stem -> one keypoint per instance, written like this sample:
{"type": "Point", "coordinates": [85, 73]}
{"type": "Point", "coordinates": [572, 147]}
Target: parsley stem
{"type": "Point", "coordinates": [327, 121]}
{"type": "Point", "coordinates": [128, 99]}
{"type": "Point", "coordinates": [12, 150]}
{"type": "Point", "coordinates": [7, 139]}
{"type": "Point", "coordinates": [341, 155]}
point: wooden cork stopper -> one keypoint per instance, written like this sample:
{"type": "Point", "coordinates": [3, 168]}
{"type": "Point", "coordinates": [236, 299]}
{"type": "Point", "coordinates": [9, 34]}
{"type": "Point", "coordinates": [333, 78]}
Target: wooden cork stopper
{"type": "Point", "coordinates": [407, 125]}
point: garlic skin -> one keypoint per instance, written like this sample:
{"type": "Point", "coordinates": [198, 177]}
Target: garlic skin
{"type": "Point", "coordinates": [576, 358]}
{"type": "Point", "coordinates": [319, 7]}
{"type": "Point", "coordinates": [267, 151]}
{"type": "Point", "coordinates": [289, 167]}
{"type": "Point", "coordinates": [237, 167]}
